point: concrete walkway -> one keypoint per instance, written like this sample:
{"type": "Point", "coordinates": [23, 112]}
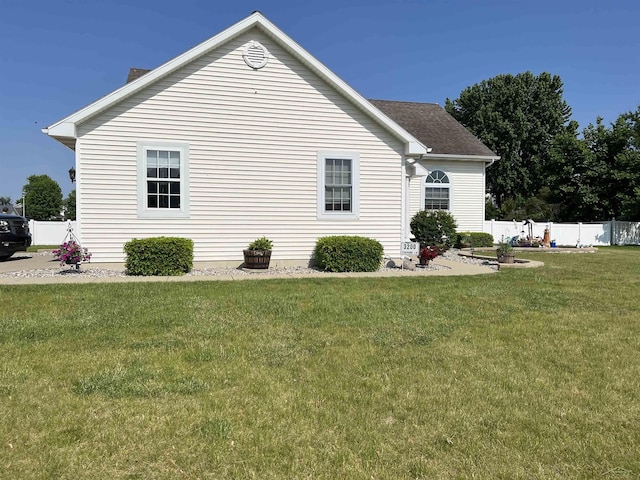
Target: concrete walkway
{"type": "Point", "coordinates": [29, 264]}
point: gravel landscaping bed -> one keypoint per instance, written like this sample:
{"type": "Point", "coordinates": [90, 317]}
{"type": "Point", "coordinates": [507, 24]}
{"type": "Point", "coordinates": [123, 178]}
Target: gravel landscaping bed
{"type": "Point", "coordinates": [88, 270]}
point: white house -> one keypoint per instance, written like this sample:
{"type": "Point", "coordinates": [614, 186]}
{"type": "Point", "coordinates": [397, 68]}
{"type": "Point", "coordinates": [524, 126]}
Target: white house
{"type": "Point", "coordinates": [247, 135]}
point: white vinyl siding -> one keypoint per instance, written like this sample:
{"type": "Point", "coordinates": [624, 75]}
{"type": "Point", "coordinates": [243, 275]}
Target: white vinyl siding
{"type": "Point", "coordinates": [253, 139]}
{"type": "Point", "coordinates": [466, 191]}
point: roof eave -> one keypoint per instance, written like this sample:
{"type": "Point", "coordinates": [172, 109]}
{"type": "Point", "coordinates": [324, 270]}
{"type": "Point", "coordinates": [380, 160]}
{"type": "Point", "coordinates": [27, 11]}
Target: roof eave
{"type": "Point", "coordinates": [415, 149]}
{"type": "Point", "coordinates": [467, 158]}
{"type": "Point", "coordinates": [64, 133]}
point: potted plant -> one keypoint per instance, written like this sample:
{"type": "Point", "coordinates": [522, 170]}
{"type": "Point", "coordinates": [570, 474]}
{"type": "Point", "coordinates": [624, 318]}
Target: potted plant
{"type": "Point", "coordinates": [505, 253]}
{"type": "Point", "coordinates": [258, 254]}
{"type": "Point", "coordinates": [71, 253]}
{"type": "Point", "coordinates": [427, 254]}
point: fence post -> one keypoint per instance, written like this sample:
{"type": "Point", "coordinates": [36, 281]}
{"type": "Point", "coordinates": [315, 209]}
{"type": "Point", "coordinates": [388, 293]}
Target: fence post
{"type": "Point", "coordinates": [613, 240]}
{"type": "Point", "coordinates": [579, 234]}
{"type": "Point", "coordinates": [32, 229]}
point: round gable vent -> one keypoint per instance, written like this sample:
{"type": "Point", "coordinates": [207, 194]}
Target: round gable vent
{"type": "Point", "coordinates": [255, 55]}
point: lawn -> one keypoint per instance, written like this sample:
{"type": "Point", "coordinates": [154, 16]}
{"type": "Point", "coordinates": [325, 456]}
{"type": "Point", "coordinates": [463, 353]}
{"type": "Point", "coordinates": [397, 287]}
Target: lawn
{"type": "Point", "coordinates": [530, 373]}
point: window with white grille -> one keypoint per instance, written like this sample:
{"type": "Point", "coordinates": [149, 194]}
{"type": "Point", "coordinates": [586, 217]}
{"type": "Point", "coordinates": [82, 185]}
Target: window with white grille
{"type": "Point", "coordinates": [437, 191]}
{"type": "Point", "coordinates": [163, 179]}
{"type": "Point", "coordinates": [338, 185]}
{"type": "Point", "coordinates": [163, 187]}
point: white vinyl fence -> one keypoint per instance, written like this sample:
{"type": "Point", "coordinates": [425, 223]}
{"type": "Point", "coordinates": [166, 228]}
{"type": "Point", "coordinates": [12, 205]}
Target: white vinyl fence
{"type": "Point", "coordinates": [49, 233]}
{"type": "Point", "coordinates": [570, 234]}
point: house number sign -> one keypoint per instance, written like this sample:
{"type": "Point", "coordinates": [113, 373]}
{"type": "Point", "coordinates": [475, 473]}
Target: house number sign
{"type": "Point", "coordinates": [409, 248]}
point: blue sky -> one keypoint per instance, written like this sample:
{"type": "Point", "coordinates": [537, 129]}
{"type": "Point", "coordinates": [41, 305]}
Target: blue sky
{"type": "Point", "coordinates": [56, 57]}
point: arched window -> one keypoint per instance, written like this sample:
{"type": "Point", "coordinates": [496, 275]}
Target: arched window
{"type": "Point", "coordinates": [436, 191]}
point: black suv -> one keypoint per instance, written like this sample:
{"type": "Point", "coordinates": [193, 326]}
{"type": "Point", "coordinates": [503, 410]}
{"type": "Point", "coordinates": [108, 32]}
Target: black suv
{"type": "Point", "coordinates": [14, 232]}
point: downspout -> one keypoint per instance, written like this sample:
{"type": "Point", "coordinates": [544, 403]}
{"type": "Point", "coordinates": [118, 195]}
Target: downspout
{"type": "Point", "coordinates": [484, 204]}
{"type": "Point", "coordinates": [403, 203]}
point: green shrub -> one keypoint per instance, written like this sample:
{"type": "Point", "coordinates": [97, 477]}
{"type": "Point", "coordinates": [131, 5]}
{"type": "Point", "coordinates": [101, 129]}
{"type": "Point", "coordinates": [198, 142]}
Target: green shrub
{"type": "Point", "coordinates": [262, 243]}
{"type": "Point", "coordinates": [348, 254]}
{"type": "Point", "coordinates": [434, 227]}
{"type": "Point", "coordinates": [474, 239]}
{"type": "Point", "coordinates": [162, 256]}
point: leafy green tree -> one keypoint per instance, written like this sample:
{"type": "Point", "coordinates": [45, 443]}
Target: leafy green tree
{"type": "Point", "coordinates": [624, 159]}
{"type": "Point", "coordinates": [70, 206]}
{"type": "Point", "coordinates": [517, 117]}
{"type": "Point", "coordinates": [43, 197]}
{"type": "Point", "coordinates": [576, 175]}
{"type": "Point", "coordinates": [597, 177]}
{"type": "Point", "coordinates": [538, 208]}
{"type": "Point", "coordinates": [4, 200]}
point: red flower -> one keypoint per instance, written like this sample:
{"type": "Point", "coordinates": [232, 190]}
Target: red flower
{"type": "Point", "coordinates": [429, 252]}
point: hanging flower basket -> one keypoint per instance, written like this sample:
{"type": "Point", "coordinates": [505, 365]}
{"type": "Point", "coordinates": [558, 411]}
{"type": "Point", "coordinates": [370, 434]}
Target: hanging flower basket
{"type": "Point", "coordinates": [71, 253]}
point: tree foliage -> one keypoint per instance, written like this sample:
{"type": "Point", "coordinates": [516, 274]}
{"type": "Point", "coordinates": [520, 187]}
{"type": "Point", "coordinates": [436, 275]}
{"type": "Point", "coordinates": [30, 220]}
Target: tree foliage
{"type": "Point", "coordinates": [517, 117]}
{"type": "Point", "coordinates": [43, 197]}
{"type": "Point", "coordinates": [70, 206]}
{"type": "Point", "coordinates": [597, 177]}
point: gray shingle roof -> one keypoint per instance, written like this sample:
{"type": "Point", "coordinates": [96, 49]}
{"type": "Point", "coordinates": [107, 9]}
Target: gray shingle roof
{"type": "Point", "coordinates": [136, 73]}
{"type": "Point", "coordinates": [434, 127]}
{"type": "Point", "coordinates": [428, 122]}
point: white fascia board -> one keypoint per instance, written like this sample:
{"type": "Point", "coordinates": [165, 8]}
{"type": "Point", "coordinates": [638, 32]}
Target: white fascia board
{"type": "Point", "coordinates": [415, 149]}
{"type": "Point", "coordinates": [61, 129]}
{"type": "Point", "coordinates": [413, 146]}
{"type": "Point", "coordinates": [466, 158]}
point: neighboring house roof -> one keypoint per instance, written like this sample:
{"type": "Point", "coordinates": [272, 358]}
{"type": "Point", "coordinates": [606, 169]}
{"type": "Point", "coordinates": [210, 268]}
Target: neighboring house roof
{"type": "Point", "coordinates": [435, 127]}
{"type": "Point", "coordinates": [136, 73]}
{"type": "Point", "coordinates": [65, 130]}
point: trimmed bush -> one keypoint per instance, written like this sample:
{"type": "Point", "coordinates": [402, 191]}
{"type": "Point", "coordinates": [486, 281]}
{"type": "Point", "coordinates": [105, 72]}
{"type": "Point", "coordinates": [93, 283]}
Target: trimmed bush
{"type": "Point", "coordinates": [348, 254]}
{"type": "Point", "coordinates": [161, 256]}
{"type": "Point", "coordinates": [430, 226]}
{"type": "Point", "coordinates": [474, 239]}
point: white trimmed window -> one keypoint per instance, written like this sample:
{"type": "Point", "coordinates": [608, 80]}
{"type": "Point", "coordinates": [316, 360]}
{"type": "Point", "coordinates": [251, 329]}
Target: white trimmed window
{"type": "Point", "coordinates": [437, 193]}
{"type": "Point", "coordinates": [338, 185]}
{"type": "Point", "coordinates": [163, 185]}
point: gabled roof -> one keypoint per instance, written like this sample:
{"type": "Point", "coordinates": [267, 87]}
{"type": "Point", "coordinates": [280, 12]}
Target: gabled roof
{"type": "Point", "coordinates": [435, 127]}
{"type": "Point", "coordinates": [65, 130]}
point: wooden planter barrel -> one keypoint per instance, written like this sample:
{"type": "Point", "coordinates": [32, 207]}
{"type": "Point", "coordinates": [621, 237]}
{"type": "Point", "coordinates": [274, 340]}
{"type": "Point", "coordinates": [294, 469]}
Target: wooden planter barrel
{"type": "Point", "coordinates": [257, 259]}
{"type": "Point", "coordinates": [509, 257]}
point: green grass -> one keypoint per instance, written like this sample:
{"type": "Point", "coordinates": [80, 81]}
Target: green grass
{"type": "Point", "coordinates": [35, 248]}
{"type": "Point", "coordinates": [523, 374]}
